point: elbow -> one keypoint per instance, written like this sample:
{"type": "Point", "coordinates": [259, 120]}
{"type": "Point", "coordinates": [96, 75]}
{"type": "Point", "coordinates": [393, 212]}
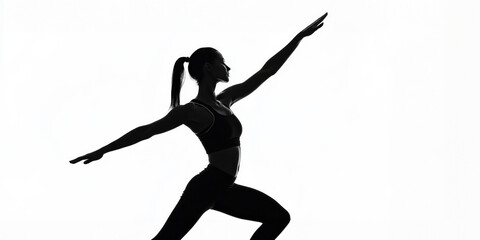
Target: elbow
{"type": "Point", "coordinates": [272, 72]}
{"type": "Point", "coordinates": [147, 136]}
{"type": "Point", "coordinates": [146, 132]}
{"type": "Point", "coordinates": [268, 72]}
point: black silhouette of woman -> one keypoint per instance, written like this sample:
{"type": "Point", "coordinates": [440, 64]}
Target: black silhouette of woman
{"type": "Point", "coordinates": [210, 118]}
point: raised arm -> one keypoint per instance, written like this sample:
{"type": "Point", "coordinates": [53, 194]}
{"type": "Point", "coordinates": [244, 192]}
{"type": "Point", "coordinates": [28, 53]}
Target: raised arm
{"type": "Point", "coordinates": [176, 117]}
{"type": "Point", "coordinates": [236, 92]}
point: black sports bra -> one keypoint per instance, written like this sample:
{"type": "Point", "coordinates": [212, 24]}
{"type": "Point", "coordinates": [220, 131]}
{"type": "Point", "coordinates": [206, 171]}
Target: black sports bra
{"type": "Point", "coordinates": [223, 133]}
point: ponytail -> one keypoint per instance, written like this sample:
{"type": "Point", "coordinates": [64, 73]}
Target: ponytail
{"type": "Point", "coordinates": [177, 81]}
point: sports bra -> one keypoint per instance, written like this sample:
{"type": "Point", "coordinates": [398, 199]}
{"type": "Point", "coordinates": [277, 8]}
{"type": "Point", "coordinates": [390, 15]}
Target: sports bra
{"type": "Point", "coordinates": [223, 133]}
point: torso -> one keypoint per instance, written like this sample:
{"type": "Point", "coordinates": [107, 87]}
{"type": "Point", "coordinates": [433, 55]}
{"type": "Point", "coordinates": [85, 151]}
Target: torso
{"type": "Point", "coordinates": [227, 160]}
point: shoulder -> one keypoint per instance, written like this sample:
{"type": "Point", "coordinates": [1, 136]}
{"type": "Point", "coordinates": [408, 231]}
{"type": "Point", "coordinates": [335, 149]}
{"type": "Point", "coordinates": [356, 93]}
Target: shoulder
{"type": "Point", "coordinates": [181, 112]}
{"type": "Point", "coordinates": [192, 112]}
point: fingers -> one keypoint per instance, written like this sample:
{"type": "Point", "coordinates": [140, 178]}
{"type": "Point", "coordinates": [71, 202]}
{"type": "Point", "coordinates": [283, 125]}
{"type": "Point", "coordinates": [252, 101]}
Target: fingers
{"type": "Point", "coordinates": [93, 156]}
{"type": "Point", "coordinates": [88, 161]}
{"type": "Point", "coordinates": [319, 26]}
{"type": "Point", "coordinates": [80, 159]}
{"type": "Point", "coordinates": [318, 21]}
{"type": "Point", "coordinates": [322, 17]}
{"type": "Point", "coordinates": [314, 26]}
{"type": "Point", "coordinates": [76, 160]}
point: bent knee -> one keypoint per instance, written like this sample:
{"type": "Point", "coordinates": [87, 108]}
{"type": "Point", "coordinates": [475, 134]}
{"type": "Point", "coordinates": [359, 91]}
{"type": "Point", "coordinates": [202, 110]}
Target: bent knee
{"type": "Point", "coordinates": [285, 217]}
{"type": "Point", "coordinates": [282, 217]}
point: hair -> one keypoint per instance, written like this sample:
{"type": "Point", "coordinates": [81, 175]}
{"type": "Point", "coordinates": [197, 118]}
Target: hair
{"type": "Point", "coordinates": [195, 69]}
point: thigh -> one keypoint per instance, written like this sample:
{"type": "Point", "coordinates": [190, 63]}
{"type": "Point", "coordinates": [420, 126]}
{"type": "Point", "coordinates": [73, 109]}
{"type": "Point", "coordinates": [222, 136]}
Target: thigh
{"type": "Point", "coordinates": [185, 214]}
{"type": "Point", "coordinates": [247, 203]}
{"type": "Point", "coordinates": [198, 197]}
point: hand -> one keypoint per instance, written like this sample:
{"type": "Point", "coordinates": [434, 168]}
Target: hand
{"type": "Point", "coordinates": [313, 27]}
{"type": "Point", "coordinates": [90, 157]}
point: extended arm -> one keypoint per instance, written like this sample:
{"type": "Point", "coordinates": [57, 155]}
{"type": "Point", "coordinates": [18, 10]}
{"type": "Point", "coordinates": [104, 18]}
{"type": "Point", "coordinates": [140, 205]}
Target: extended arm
{"type": "Point", "coordinates": [236, 92]}
{"type": "Point", "coordinates": [173, 119]}
{"type": "Point", "coordinates": [276, 62]}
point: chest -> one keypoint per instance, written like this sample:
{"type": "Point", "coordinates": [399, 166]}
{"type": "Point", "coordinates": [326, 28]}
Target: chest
{"type": "Point", "coordinates": [201, 117]}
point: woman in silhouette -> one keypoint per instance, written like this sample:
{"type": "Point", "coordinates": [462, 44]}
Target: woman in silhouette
{"type": "Point", "coordinates": [210, 118]}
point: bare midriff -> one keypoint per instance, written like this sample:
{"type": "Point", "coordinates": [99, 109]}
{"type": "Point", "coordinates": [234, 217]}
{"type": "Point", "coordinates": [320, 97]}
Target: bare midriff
{"type": "Point", "coordinates": [227, 160]}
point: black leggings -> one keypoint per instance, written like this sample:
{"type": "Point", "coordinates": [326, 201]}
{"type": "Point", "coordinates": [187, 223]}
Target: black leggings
{"type": "Point", "coordinates": [214, 189]}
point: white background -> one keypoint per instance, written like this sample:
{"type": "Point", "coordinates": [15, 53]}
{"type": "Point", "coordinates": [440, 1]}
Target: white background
{"type": "Point", "coordinates": [369, 131]}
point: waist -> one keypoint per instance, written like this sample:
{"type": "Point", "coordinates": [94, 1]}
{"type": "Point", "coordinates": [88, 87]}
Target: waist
{"type": "Point", "coordinates": [214, 144]}
{"type": "Point", "coordinates": [227, 160]}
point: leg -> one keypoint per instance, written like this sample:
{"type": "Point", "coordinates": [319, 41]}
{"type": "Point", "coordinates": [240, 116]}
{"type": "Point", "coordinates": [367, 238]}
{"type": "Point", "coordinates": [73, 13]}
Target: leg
{"type": "Point", "coordinates": [198, 197]}
{"type": "Point", "coordinates": [250, 204]}
{"type": "Point", "coordinates": [180, 221]}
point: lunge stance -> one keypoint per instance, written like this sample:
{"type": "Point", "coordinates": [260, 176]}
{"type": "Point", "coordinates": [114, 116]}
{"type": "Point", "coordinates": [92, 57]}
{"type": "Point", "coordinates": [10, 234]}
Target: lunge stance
{"type": "Point", "coordinates": [209, 116]}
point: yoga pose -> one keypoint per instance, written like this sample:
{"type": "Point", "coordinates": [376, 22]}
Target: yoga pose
{"type": "Point", "coordinates": [210, 118]}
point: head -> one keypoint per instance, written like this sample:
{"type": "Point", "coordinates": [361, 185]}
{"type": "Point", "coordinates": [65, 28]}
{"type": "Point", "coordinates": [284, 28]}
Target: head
{"type": "Point", "coordinates": [205, 64]}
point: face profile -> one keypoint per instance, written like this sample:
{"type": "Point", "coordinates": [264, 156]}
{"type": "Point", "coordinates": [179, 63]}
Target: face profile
{"type": "Point", "coordinates": [220, 70]}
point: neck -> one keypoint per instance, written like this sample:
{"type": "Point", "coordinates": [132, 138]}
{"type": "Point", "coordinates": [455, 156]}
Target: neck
{"type": "Point", "coordinates": [206, 90]}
